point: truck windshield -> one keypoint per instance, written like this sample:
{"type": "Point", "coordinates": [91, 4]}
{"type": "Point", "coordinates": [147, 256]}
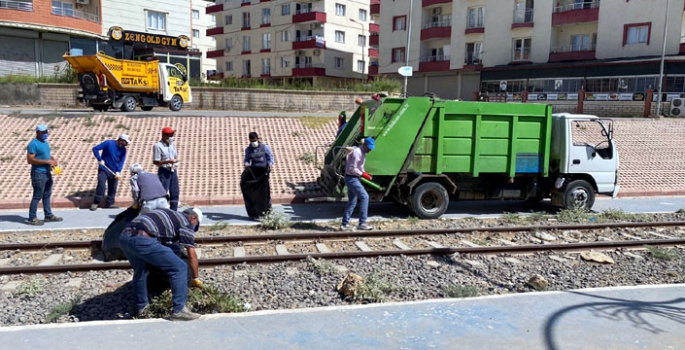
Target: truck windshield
{"type": "Point", "coordinates": [174, 72]}
{"type": "Point", "coordinates": [590, 133]}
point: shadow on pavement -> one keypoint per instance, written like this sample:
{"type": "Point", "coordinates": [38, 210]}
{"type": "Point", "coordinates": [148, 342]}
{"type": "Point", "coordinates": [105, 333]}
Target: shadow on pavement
{"type": "Point", "coordinates": [81, 199]}
{"type": "Point", "coordinates": [218, 217]}
{"type": "Point", "coordinates": [115, 305]}
{"type": "Point", "coordinates": [13, 218]}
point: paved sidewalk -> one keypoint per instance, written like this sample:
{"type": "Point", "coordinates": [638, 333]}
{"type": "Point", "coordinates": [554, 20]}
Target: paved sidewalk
{"type": "Point", "coordinates": [648, 317]}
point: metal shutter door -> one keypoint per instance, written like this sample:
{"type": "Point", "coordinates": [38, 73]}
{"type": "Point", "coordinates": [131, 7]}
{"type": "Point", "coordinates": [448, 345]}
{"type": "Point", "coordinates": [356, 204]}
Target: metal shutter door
{"type": "Point", "coordinates": [17, 56]}
{"type": "Point", "coordinates": [52, 57]}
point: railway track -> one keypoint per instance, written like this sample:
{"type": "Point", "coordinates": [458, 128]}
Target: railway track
{"type": "Point", "coordinates": [58, 257]}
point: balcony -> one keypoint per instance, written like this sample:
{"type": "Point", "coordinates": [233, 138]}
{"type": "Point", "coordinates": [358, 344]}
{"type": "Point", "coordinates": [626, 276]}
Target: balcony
{"type": "Point", "coordinates": [245, 3]}
{"type": "Point", "coordinates": [523, 19]}
{"type": "Point", "coordinates": [474, 27]}
{"type": "Point", "coordinates": [426, 3]}
{"type": "Point", "coordinates": [214, 8]}
{"type": "Point", "coordinates": [70, 12]}
{"type": "Point", "coordinates": [308, 70]}
{"type": "Point", "coordinates": [373, 52]}
{"type": "Point", "coordinates": [215, 31]}
{"type": "Point", "coordinates": [373, 70]}
{"type": "Point", "coordinates": [307, 42]}
{"type": "Point", "coordinates": [438, 63]}
{"type": "Point", "coordinates": [572, 53]}
{"type": "Point", "coordinates": [308, 15]}
{"type": "Point", "coordinates": [437, 29]}
{"type": "Point", "coordinates": [576, 13]}
{"type": "Point", "coordinates": [473, 60]}
{"type": "Point", "coordinates": [375, 7]}
{"type": "Point", "coordinates": [374, 39]}
{"type": "Point", "coordinates": [215, 53]}
{"type": "Point", "coordinates": [266, 72]}
{"type": "Point", "coordinates": [16, 5]}
{"type": "Point", "coordinates": [374, 27]}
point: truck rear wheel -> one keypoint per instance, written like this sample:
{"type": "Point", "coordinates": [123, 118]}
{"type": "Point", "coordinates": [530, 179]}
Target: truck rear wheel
{"type": "Point", "coordinates": [579, 193]}
{"type": "Point", "coordinates": [176, 103]}
{"type": "Point", "coordinates": [429, 201]}
{"type": "Point", "coordinates": [129, 104]}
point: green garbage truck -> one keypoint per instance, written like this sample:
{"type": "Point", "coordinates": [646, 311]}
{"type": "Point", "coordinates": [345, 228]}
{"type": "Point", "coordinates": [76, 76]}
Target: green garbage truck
{"type": "Point", "coordinates": [430, 151]}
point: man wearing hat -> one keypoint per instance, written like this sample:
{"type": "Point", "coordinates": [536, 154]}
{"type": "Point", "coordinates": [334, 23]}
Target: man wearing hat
{"type": "Point", "coordinates": [146, 189]}
{"type": "Point", "coordinates": [111, 156]}
{"type": "Point", "coordinates": [354, 169]}
{"type": "Point", "coordinates": [148, 240]}
{"type": "Point", "coordinates": [165, 156]}
{"type": "Point", "coordinates": [254, 182]}
{"type": "Point", "coordinates": [41, 160]}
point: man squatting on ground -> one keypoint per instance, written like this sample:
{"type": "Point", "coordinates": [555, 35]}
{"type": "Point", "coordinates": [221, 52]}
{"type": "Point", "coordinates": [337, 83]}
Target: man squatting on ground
{"type": "Point", "coordinates": [147, 239]}
{"type": "Point", "coordinates": [111, 162]}
{"type": "Point", "coordinates": [41, 160]}
{"type": "Point", "coordinates": [165, 156]}
{"type": "Point", "coordinates": [147, 191]}
{"type": "Point", "coordinates": [354, 168]}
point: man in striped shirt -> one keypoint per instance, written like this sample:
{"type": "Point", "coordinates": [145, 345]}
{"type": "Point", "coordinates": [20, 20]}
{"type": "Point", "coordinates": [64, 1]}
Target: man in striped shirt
{"type": "Point", "coordinates": [147, 239]}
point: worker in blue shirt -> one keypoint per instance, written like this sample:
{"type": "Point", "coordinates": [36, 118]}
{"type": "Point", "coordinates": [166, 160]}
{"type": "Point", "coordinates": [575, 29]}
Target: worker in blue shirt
{"type": "Point", "coordinates": [111, 156]}
{"type": "Point", "coordinates": [41, 160]}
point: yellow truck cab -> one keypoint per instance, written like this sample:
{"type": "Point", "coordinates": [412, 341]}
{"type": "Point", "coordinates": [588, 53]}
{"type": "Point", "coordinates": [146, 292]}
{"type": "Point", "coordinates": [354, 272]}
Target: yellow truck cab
{"type": "Point", "coordinates": [109, 82]}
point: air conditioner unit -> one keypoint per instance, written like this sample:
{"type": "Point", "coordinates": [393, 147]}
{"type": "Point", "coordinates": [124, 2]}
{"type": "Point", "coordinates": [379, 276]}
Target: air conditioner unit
{"type": "Point", "coordinates": [83, 2]}
{"type": "Point", "coordinates": [437, 10]}
{"type": "Point", "coordinates": [678, 107]}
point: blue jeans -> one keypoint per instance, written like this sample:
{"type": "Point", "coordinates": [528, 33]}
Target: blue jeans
{"type": "Point", "coordinates": [355, 191]}
{"type": "Point", "coordinates": [142, 250]}
{"type": "Point", "coordinates": [169, 181]}
{"type": "Point", "coordinates": [105, 178]}
{"type": "Point", "coordinates": [42, 190]}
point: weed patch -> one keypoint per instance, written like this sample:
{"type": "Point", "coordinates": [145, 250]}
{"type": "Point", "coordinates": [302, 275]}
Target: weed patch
{"type": "Point", "coordinates": [219, 226]}
{"type": "Point", "coordinates": [376, 288]}
{"type": "Point", "coordinates": [321, 266]}
{"type": "Point", "coordinates": [88, 122]}
{"type": "Point", "coordinates": [307, 158]}
{"type": "Point", "coordinates": [122, 126]}
{"type": "Point", "coordinates": [31, 288]}
{"type": "Point", "coordinates": [109, 119]}
{"type": "Point", "coordinates": [511, 218]}
{"type": "Point", "coordinates": [6, 158]}
{"type": "Point", "coordinates": [274, 220]}
{"type": "Point", "coordinates": [314, 122]}
{"type": "Point", "coordinates": [576, 215]}
{"type": "Point", "coordinates": [62, 309]}
{"type": "Point", "coordinates": [461, 291]}
{"type": "Point", "coordinates": [662, 254]}
{"type": "Point", "coordinates": [207, 300]}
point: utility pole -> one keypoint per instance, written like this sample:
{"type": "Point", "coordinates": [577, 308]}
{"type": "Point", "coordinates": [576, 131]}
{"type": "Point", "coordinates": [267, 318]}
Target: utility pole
{"type": "Point", "coordinates": [661, 68]}
{"type": "Point", "coordinates": [406, 53]}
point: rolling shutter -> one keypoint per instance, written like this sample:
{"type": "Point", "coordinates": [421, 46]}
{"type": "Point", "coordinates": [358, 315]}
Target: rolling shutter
{"type": "Point", "coordinates": [17, 56]}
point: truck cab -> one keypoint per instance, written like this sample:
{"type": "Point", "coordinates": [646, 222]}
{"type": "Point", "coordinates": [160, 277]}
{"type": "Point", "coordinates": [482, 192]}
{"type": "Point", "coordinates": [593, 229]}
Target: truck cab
{"type": "Point", "coordinates": [174, 85]}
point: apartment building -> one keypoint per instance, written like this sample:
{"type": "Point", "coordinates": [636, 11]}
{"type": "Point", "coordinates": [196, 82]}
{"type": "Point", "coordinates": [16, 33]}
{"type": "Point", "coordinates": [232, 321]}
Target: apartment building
{"type": "Point", "coordinates": [321, 42]}
{"type": "Point", "coordinates": [200, 21]}
{"type": "Point", "coordinates": [34, 34]}
{"type": "Point", "coordinates": [531, 49]}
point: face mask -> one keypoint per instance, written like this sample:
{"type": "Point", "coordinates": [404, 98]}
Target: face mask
{"type": "Point", "coordinates": [255, 144]}
{"type": "Point", "coordinates": [171, 139]}
{"type": "Point", "coordinates": [44, 137]}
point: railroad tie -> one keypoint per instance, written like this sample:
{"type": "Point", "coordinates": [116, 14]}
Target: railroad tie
{"type": "Point", "coordinates": [239, 252]}
{"type": "Point", "coordinates": [322, 248]}
{"type": "Point", "coordinates": [362, 245]}
{"type": "Point", "coordinates": [5, 262]}
{"type": "Point", "coordinates": [400, 244]}
{"type": "Point", "coordinates": [281, 249]}
{"type": "Point", "coordinates": [660, 235]}
{"type": "Point", "coordinates": [12, 285]}
{"type": "Point", "coordinates": [629, 236]}
{"type": "Point", "coordinates": [53, 259]}
{"type": "Point", "coordinates": [435, 244]}
{"type": "Point", "coordinates": [506, 242]}
{"type": "Point", "coordinates": [469, 243]}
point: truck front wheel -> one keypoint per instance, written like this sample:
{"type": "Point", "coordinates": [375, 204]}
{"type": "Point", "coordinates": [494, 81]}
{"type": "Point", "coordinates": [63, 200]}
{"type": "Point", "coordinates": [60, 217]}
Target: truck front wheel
{"type": "Point", "coordinates": [579, 193]}
{"type": "Point", "coordinates": [176, 103]}
{"type": "Point", "coordinates": [429, 201]}
{"type": "Point", "coordinates": [129, 104]}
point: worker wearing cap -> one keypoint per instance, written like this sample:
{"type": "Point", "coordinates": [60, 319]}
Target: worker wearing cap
{"type": "Point", "coordinates": [260, 161]}
{"type": "Point", "coordinates": [111, 156]}
{"type": "Point", "coordinates": [147, 239]}
{"type": "Point", "coordinates": [147, 191]}
{"type": "Point", "coordinates": [39, 156]}
{"type": "Point", "coordinates": [165, 156]}
{"type": "Point", "coordinates": [354, 169]}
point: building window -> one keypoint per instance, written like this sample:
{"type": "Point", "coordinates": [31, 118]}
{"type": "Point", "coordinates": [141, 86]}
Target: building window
{"type": "Point", "coordinates": [361, 40]}
{"type": "Point", "coordinates": [398, 54]}
{"type": "Point", "coordinates": [521, 50]}
{"type": "Point", "coordinates": [583, 42]}
{"type": "Point", "coordinates": [285, 10]}
{"type": "Point", "coordinates": [339, 36]}
{"type": "Point", "coordinates": [156, 20]}
{"type": "Point", "coordinates": [246, 44]}
{"type": "Point", "coordinates": [196, 33]}
{"type": "Point", "coordinates": [246, 20]}
{"type": "Point", "coordinates": [266, 41]}
{"type": "Point", "coordinates": [637, 33]}
{"type": "Point", "coordinates": [285, 35]}
{"type": "Point", "coordinates": [228, 19]}
{"type": "Point", "coordinates": [360, 66]}
{"type": "Point", "coordinates": [339, 9]}
{"type": "Point", "coordinates": [247, 68]}
{"type": "Point", "coordinates": [266, 16]}
{"type": "Point", "coordinates": [399, 23]}
{"type": "Point", "coordinates": [476, 17]}
{"type": "Point", "coordinates": [58, 7]}
{"type": "Point", "coordinates": [362, 15]}
{"type": "Point", "coordinates": [228, 44]}
{"type": "Point", "coordinates": [212, 18]}
{"type": "Point", "coordinates": [285, 62]}
{"type": "Point", "coordinates": [266, 66]}
{"type": "Point", "coordinates": [473, 53]}
{"type": "Point", "coordinates": [196, 14]}
{"type": "Point", "coordinates": [339, 63]}
{"type": "Point", "coordinates": [229, 66]}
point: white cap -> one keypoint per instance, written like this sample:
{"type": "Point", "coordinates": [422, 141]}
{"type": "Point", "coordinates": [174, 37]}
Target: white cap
{"type": "Point", "coordinates": [125, 138]}
{"type": "Point", "coordinates": [135, 168]}
{"type": "Point", "coordinates": [194, 211]}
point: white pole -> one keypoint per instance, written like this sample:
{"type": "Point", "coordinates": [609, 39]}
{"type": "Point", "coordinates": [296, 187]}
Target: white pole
{"type": "Point", "coordinates": [661, 68]}
{"type": "Point", "coordinates": [406, 53]}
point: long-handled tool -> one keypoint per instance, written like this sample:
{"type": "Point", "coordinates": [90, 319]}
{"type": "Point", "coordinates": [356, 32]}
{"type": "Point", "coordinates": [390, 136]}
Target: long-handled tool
{"type": "Point", "coordinates": [110, 170]}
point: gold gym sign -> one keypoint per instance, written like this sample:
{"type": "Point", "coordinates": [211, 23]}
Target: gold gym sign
{"type": "Point", "coordinates": [118, 33]}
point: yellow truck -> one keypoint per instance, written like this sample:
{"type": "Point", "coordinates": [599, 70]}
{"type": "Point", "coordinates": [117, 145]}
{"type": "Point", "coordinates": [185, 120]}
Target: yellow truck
{"type": "Point", "coordinates": [111, 82]}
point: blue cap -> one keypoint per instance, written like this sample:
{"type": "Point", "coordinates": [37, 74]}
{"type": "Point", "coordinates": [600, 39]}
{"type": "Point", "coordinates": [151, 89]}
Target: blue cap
{"type": "Point", "coordinates": [42, 127]}
{"type": "Point", "coordinates": [370, 143]}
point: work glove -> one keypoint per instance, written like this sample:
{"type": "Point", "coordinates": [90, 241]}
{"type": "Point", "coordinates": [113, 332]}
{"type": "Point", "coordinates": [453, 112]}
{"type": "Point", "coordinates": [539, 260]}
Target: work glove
{"type": "Point", "coordinates": [117, 176]}
{"type": "Point", "coordinates": [196, 283]}
{"type": "Point", "coordinates": [367, 176]}
{"type": "Point", "coordinates": [134, 206]}
{"type": "Point", "coordinates": [102, 162]}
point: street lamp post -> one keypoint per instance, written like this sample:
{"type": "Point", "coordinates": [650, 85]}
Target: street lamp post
{"type": "Point", "coordinates": [406, 53]}
{"type": "Point", "coordinates": [363, 45]}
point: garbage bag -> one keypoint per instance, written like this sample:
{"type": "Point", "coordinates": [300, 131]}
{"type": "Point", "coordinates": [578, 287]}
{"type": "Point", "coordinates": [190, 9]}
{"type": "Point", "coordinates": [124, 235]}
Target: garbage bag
{"type": "Point", "coordinates": [254, 183]}
{"type": "Point", "coordinates": [110, 240]}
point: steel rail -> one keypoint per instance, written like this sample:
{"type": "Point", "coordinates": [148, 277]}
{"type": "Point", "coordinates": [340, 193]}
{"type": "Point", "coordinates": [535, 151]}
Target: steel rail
{"type": "Point", "coordinates": [360, 254]}
{"type": "Point", "coordinates": [353, 234]}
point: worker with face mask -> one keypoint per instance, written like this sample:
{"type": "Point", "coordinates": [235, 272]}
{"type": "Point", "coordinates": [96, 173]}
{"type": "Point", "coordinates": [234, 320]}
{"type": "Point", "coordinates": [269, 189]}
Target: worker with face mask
{"type": "Point", "coordinates": [254, 182]}
{"type": "Point", "coordinates": [111, 156]}
{"type": "Point", "coordinates": [165, 156]}
{"type": "Point", "coordinates": [41, 160]}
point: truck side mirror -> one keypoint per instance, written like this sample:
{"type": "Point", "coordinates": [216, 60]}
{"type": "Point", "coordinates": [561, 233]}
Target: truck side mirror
{"type": "Point", "coordinates": [185, 78]}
